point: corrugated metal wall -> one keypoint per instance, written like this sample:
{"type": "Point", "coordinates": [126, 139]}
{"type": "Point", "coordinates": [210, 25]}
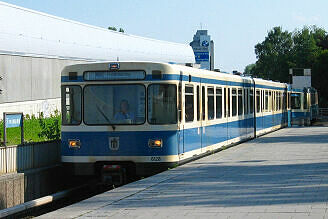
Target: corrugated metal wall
{"type": "Point", "coordinates": [24, 157]}
{"type": "Point", "coordinates": [30, 78]}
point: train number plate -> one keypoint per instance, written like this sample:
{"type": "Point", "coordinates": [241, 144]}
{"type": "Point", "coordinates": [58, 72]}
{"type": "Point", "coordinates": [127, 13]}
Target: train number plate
{"type": "Point", "coordinates": [155, 158]}
{"type": "Point", "coordinates": [114, 143]}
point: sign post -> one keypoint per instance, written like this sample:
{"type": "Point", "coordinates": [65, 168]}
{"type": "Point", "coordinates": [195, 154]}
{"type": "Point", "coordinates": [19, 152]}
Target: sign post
{"type": "Point", "coordinates": [11, 120]}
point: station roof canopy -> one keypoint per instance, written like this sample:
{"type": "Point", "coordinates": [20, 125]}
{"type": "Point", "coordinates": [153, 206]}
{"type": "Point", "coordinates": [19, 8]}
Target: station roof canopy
{"type": "Point", "coordinates": [30, 33]}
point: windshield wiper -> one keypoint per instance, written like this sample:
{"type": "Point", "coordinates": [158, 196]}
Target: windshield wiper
{"type": "Point", "coordinates": [107, 119]}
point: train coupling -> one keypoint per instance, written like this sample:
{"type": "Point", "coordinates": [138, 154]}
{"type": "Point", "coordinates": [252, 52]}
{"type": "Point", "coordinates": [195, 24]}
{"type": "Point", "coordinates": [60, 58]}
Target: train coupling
{"type": "Point", "coordinates": [113, 175]}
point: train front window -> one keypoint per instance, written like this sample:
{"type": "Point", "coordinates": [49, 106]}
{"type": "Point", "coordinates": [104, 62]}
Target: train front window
{"type": "Point", "coordinates": [162, 104]}
{"type": "Point", "coordinates": [114, 104]}
{"type": "Point", "coordinates": [296, 101]}
{"type": "Point", "coordinates": [71, 105]}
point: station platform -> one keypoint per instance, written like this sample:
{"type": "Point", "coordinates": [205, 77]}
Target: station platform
{"type": "Point", "coordinates": [283, 174]}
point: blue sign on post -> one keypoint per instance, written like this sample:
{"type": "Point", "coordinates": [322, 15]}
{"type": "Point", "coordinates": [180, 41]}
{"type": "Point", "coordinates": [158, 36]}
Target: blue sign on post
{"type": "Point", "coordinates": [13, 120]}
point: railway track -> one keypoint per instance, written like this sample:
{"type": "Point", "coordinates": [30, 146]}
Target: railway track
{"type": "Point", "coordinates": [57, 200]}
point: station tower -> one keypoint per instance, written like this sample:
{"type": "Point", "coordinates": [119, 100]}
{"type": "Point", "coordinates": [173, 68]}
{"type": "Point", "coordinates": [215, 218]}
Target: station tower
{"type": "Point", "coordinates": [203, 48]}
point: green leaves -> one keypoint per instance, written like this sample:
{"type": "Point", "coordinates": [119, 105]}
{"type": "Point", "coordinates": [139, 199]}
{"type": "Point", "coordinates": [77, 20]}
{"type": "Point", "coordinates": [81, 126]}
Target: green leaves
{"type": "Point", "coordinates": [282, 50]}
{"type": "Point", "coordinates": [50, 127]}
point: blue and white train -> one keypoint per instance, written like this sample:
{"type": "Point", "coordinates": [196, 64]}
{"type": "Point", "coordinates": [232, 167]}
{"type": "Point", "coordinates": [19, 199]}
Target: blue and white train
{"type": "Point", "coordinates": [147, 117]}
{"type": "Point", "coordinates": [304, 106]}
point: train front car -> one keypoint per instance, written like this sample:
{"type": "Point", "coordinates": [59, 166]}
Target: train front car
{"type": "Point", "coordinates": [108, 124]}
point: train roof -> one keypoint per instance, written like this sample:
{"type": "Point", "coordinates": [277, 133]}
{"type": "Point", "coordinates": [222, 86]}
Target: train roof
{"type": "Point", "coordinates": [168, 68]}
{"type": "Point", "coordinates": [270, 83]}
{"type": "Point", "coordinates": [30, 33]}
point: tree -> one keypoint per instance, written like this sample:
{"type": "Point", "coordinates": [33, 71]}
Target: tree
{"type": "Point", "coordinates": [320, 77]}
{"type": "Point", "coordinates": [249, 69]}
{"type": "Point", "coordinates": [112, 28]}
{"type": "Point", "coordinates": [115, 29]}
{"type": "Point", "coordinates": [305, 50]}
{"type": "Point", "coordinates": [273, 55]}
{"type": "Point", "coordinates": [282, 50]}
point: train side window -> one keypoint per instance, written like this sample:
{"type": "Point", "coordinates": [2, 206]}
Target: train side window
{"type": "Point", "coordinates": [251, 101]}
{"type": "Point", "coordinates": [258, 104]}
{"type": "Point", "coordinates": [246, 101]}
{"type": "Point", "coordinates": [225, 102]}
{"type": "Point", "coordinates": [278, 95]}
{"type": "Point", "coordinates": [270, 101]}
{"type": "Point", "coordinates": [240, 102]}
{"type": "Point", "coordinates": [71, 104]}
{"type": "Point", "coordinates": [189, 103]}
{"type": "Point", "coordinates": [280, 100]}
{"type": "Point", "coordinates": [228, 108]}
{"type": "Point", "coordinates": [266, 106]}
{"type": "Point", "coordinates": [274, 101]}
{"type": "Point", "coordinates": [262, 100]}
{"type": "Point", "coordinates": [218, 103]}
{"type": "Point", "coordinates": [284, 99]}
{"type": "Point", "coordinates": [277, 100]}
{"type": "Point", "coordinates": [210, 103]}
{"type": "Point", "coordinates": [180, 102]}
{"type": "Point", "coordinates": [305, 101]}
{"type": "Point", "coordinates": [234, 102]}
{"type": "Point", "coordinates": [203, 102]}
{"type": "Point", "coordinates": [198, 103]}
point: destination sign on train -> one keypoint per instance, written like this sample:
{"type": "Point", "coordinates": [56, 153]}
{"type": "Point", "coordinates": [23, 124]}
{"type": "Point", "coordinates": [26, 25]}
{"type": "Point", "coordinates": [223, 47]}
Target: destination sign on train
{"type": "Point", "coordinates": [114, 75]}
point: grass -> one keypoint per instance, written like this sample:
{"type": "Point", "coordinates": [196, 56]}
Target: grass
{"type": "Point", "coordinates": [32, 129]}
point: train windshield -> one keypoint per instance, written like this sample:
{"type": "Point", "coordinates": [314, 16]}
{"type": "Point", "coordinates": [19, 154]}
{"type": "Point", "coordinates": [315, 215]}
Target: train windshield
{"type": "Point", "coordinates": [296, 101]}
{"type": "Point", "coordinates": [114, 104]}
{"type": "Point", "coordinates": [162, 104]}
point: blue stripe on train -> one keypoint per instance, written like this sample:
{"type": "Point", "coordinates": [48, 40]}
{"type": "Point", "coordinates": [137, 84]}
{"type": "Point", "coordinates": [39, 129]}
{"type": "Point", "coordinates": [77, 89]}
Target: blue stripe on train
{"type": "Point", "coordinates": [174, 142]}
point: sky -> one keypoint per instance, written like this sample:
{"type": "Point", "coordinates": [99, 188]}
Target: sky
{"type": "Point", "coordinates": [235, 26]}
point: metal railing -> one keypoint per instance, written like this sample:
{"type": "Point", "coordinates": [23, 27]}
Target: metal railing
{"type": "Point", "coordinates": [323, 112]}
{"type": "Point", "coordinates": [18, 158]}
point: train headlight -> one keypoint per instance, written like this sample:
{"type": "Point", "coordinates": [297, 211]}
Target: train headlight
{"type": "Point", "coordinates": [155, 143]}
{"type": "Point", "coordinates": [74, 143]}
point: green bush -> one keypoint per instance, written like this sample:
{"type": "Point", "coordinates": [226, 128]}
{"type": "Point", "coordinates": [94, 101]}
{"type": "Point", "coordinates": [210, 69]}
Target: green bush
{"type": "Point", "coordinates": [50, 127]}
{"type": "Point", "coordinates": [35, 129]}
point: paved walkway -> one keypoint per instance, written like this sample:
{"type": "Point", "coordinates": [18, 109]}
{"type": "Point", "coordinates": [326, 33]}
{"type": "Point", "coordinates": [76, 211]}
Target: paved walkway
{"type": "Point", "coordinates": [280, 175]}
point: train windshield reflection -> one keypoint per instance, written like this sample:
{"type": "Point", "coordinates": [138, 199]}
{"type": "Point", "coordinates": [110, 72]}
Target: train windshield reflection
{"type": "Point", "coordinates": [114, 104]}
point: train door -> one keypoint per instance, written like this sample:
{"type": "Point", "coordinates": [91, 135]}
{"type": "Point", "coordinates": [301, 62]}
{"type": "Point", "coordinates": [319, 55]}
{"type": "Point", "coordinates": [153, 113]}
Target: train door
{"type": "Point", "coordinates": [228, 112]}
{"type": "Point", "coordinates": [180, 122]}
{"type": "Point", "coordinates": [289, 110]}
{"type": "Point", "coordinates": [192, 130]}
{"type": "Point", "coordinates": [246, 111]}
{"type": "Point", "coordinates": [252, 112]}
{"type": "Point", "coordinates": [199, 113]}
{"type": "Point", "coordinates": [258, 109]}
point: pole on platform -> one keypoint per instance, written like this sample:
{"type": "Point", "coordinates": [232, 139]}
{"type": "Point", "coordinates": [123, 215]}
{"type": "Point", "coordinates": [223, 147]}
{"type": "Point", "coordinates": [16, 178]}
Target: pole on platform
{"type": "Point", "coordinates": [22, 129]}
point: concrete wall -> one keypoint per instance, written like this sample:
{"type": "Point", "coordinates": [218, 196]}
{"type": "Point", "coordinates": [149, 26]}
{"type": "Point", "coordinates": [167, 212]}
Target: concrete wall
{"type": "Point", "coordinates": [33, 171]}
{"type": "Point", "coordinates": [17, 188]}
